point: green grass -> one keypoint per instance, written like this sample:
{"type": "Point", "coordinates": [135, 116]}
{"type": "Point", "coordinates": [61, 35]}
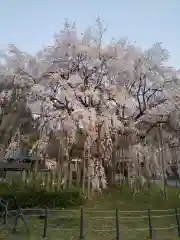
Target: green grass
{"type": "Point", "coordinates": [99, 218]}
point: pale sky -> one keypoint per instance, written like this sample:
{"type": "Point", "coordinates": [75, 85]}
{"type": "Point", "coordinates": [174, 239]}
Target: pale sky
{"type": "Point", "coordinates": [32, 24]}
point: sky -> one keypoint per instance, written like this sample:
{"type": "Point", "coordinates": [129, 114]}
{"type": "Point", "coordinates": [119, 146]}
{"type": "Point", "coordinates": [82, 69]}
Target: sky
{"type": "Point", "coordinates": [30, 25]}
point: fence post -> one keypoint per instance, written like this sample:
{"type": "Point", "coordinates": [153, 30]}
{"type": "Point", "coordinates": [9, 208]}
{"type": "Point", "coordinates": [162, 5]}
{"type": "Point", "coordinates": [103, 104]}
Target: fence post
{"type": "Point", "coordinates": [45, 223]}
{"type": "Point", "coordinates": [19, 215]}
{"type": "Point", "coordinates": [81, 237]}
{"type": "Point", "coordinates": [177, 221]}
{"type": "Point", "coordinates": [4, 205]}
{"type": "Point", "coordinates": [5, 212]}
{"type": "Point", "coordinates": [150, 224]}
{"type": "Point", "coordinates": [117, 226]}
{"type": "Point", "coordinates": [15, 223]}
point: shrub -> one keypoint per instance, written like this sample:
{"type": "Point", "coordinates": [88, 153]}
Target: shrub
{"type": "Point", "coordinates": [31, 197]}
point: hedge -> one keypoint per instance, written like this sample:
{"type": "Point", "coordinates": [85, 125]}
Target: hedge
{"type": "Point", "coordinates": [29, 198]}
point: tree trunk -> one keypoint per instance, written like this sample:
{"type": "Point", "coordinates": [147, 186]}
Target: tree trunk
{"type": "Point", "coordinates": [108, 171]}
{"type": "Point", "coordinates": [161, 155]}
{"type": "Point", "coordinates": [69, 172]}
{"type": "Point", "coordinates": [113, 174]}
{"type": "Point", "coordinates": [89, 180]}
{"type": "Point", "coordinates": [59, 168]}
{"type": "Point", "coordinates": [83, 169]}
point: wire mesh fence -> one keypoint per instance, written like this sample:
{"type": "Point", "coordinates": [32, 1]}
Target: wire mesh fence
{"type": "Point", "coordinates": [95, 224]}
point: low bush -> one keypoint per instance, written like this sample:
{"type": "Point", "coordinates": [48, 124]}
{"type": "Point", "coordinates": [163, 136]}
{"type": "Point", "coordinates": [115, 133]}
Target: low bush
{"type": "Point", "coordinates": [31, 197]}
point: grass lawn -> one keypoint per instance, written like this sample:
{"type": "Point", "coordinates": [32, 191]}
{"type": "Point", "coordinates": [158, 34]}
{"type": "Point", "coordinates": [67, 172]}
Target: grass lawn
{"type": "Point", "coordinates": [99, 218]}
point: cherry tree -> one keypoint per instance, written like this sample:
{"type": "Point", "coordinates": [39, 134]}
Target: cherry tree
{"type": "Point", "coordinates": [104, 98]}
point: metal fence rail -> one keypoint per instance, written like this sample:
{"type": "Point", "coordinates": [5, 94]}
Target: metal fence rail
{"type": "Point", "coordinates": [46, 214]}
